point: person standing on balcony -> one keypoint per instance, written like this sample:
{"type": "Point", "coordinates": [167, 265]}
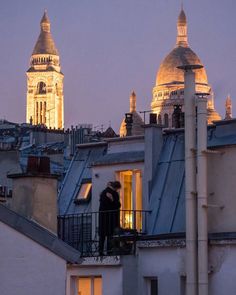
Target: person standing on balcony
{"type": "Point", "coordinates": [109, 214]}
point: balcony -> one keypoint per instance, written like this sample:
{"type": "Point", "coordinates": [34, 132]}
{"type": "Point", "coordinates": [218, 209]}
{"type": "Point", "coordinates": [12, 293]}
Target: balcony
{"type": "Point", "coordinates": [81, 231]}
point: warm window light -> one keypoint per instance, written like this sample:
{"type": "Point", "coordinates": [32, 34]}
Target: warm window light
{"type": "Point", "coordinates": [89, 286]}
{"type": "Point", "coordinates": [128, 220]}
{"type": "Point", "coordinates": [84, 191]}
{"type": "Point", "coordinates": [131, 198]}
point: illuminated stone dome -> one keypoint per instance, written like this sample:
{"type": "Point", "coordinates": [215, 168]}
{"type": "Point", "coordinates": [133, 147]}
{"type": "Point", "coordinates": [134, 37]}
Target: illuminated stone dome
{"type": "Point", "coordinates": [168, 72]}
{"type": "Point", "coordinates": [169, 87]}
{"type": "Point", "coordinates": [182, 54]}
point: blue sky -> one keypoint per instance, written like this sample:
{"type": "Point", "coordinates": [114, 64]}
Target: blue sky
{"type": "Point", "coordinates": [109, 48]}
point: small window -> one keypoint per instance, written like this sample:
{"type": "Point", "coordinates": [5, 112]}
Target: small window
{"type": "Point", "coordinates": [84, 192]}
{"type": "Point", "coordinates": [57, 89]}
{"type": "Point", "coordinates": [41, 88]}
{"type": "Point", "coordinates": [152, 286]}
{"type": "Point", "coordinates": [89, 286]}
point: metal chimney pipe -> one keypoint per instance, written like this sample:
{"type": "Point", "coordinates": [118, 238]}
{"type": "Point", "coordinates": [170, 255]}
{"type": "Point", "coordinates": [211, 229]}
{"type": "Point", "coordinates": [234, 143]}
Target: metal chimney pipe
{"type": "Point", "coordinates": [129, 123]}
{"type": "Point", "coordinates": [202, 195]}
{"type": "Point", "coordinates": [190, 178]}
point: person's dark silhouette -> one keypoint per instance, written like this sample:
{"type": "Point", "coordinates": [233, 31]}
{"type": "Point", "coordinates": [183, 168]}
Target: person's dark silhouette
{"type": "Point", "coordinates": [109, 214]}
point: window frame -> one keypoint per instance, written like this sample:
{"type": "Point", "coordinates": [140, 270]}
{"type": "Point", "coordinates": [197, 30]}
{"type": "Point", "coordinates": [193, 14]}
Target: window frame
{"type": "Point", "coordinates": [137, 197]}
{"type": "Point", "coordinates": [148, 284]}
{"type": "Point", "coordinates": [41, 88]}
{"type": "Point", "coordinates": [88, 196]}
{"type": "Point", "coordinates": [92, 279]}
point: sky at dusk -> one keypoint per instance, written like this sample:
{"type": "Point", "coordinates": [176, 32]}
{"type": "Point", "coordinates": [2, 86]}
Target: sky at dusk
{"type": "Point", "coordinates": [109, 48]}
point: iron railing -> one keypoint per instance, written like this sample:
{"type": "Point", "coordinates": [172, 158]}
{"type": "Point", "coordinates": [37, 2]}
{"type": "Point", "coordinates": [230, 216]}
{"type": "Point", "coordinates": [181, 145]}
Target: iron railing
{"type": "Point", "coordinates": [81, 231]}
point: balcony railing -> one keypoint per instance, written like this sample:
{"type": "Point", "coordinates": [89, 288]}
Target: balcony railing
{"type": "Point", "coordinates": [81, 231]}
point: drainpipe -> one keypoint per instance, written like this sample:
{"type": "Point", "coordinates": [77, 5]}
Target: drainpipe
{"type": "Point", "coordinates": [202, 195]}
{"type": "Point", "coordinates": [190, 178]}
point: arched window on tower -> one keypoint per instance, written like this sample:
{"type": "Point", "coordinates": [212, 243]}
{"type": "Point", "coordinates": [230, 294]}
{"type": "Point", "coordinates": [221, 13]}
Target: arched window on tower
{"type": "Point", "coordinates": [166, 120]}
{"type": "Point", "coordinates": [159, 119]}
{"type": "Point", "coordinates": [41, 88]}
{"type": "Point", "coordinates": [57, 90]}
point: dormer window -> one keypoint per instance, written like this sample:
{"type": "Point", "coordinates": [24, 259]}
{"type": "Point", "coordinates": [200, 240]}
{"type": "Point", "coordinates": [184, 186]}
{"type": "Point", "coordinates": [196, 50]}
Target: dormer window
{"type": "Point", "coordinates": [85, 190]}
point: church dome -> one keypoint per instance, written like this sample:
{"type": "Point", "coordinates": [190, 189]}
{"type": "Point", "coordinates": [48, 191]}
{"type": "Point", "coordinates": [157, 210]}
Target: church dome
{"type": "Point", "coordinates": [169, 86]}
{"type": "Point", "coordinates": [45, 43]}
{"type": "Point", "coordinates": [182, 54]}
{"type": "Point", "coordinates": [168, 72]}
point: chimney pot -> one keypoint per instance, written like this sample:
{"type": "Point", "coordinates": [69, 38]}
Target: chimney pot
{"type": "Point", "coordinates": [38, 165]}
{"type": "Point", "coordinates": [153, 118]}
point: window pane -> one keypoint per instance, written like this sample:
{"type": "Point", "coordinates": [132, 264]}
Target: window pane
{"type": "Point", "coordinates": [131, 198]}
{"type": "Point", "coordinates": [127, 202]}
{"type": "Point", "coordinates": [84, 286]}
{"type": "Point", "coordinates": [97, 286]}
{"type": "Point", "coordinates": [84, 191]}
{"type": "Point", "coordinates": [128, 191]}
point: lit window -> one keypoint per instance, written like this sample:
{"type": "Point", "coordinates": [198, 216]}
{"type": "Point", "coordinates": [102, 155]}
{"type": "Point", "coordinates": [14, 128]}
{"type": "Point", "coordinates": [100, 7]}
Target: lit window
{"type": "Point", "coordinates": [84, 192]}
{"type": "Point", "coordinates": [89, 286]}
{"type": "Point", "coordinates": [131, 199]}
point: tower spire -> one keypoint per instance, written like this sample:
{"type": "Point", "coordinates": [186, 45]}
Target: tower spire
{"type": "Point", "coordinates": [182, 35]}
{"type": "Point", "coordinates": [45, 43]}
{"type": "Point", "coordinates": [45, 99]}
{"type": "Point", "coordinates": [45, 22]}
{"type": "Point", "coordinates": [228, 108]}
{"type": "Point", "coordinates": [132, 102]}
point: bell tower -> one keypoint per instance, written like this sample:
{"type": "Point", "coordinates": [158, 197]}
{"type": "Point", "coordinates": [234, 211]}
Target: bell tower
{"type": "Point", "coordinates": [45, 101]}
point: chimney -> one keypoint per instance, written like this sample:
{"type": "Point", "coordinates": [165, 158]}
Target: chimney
{"type": "Point", "coordinates": [153, 118]}
{"type": "Point", "coordinates": [34, 193]}
{"type": "Point", "coordinates": [153, 139]}
{"type": "Point", "coordinates": [178, 117]}
{"type": "Point", "coordinates": [128, 122]}
{"type": "Point", "coordinates": [190, 177]}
